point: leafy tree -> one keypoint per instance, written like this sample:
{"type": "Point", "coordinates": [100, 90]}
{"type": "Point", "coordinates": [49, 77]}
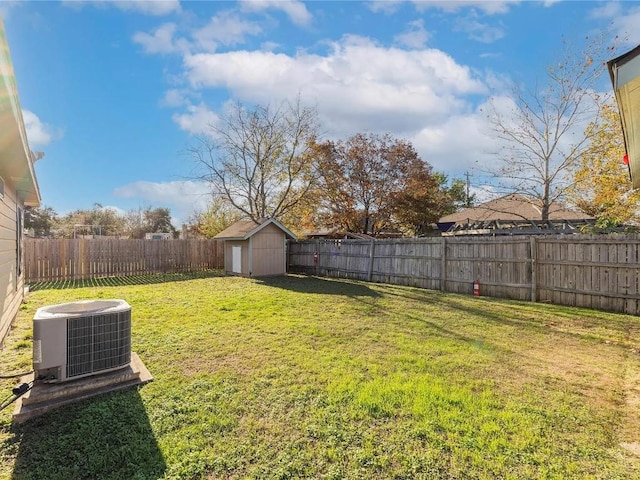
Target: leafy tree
{"type": "Point", "coordinates": [41, 219]}
{"type": "Point", "coordinates": [370, 183]}
{"type": "Point", "coordinates": [461, 193]}
{"type": "Point", "coordinates": [258, 158]}
{"type": "Point", "coordinates": [540, 137]}
{"type": "Point", "coordinates": [426, 197]}
{"type": "Point", "coordinates": [148, 220]}
{"type": "Point", "coordinates": [602, 186]}
{"type": "Point", "coordinates": [134, 224]}
{"type": "Point", "coordinates": [109, 219]}
{"type": "Point", "coordinates": [158, 220]}
{"type": "Point", "coordinates": [303, 217]}
{"type": "Point", "coordinates": [100, 220]}
{"type": "Point", "coordinates": [215, 219]}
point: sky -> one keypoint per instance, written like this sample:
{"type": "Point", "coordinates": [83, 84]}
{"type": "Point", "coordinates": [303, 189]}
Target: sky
{"type": "Point", "coordinates": [115, 92]}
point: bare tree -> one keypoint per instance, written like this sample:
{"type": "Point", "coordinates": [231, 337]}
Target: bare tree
{"type": "Point", "coordinates": [260, 158]}
{"type": "Point", "coordinates": [542, 136]}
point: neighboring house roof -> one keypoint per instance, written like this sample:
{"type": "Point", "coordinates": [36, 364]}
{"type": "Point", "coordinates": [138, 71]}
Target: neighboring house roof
{"type": "Point", "coordinates": [17, 158]}
{"type": "Point", "coordinates": [359, 236]}
{"type": "Point", "coordinates": [512, 207]}
{"type": "Point", "coordinates": [244, 229]}
{"type": "Point", "coordinates": [326, 232]}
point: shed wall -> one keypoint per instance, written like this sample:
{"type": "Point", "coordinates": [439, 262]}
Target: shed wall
{"type": "Point", "coordinates": [268, 251]}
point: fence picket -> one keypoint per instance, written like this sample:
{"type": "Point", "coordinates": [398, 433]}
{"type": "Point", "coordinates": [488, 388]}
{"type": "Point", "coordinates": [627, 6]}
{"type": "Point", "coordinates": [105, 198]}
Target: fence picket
{"type": "Point", "coordinates": [600, 272]}
{"type": "Point", "coordinates": [590, 271]}
{"type": "Point", "coordinates": [77, 259]}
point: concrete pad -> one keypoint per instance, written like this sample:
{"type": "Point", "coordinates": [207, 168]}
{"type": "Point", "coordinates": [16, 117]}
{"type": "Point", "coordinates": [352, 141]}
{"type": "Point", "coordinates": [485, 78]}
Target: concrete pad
{"type": "Point", "coordinates": [47, 396]}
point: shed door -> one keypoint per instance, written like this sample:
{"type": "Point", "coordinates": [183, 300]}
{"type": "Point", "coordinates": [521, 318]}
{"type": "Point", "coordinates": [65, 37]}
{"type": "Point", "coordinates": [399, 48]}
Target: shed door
{"type": "Point", "coordinates": [236, 259]}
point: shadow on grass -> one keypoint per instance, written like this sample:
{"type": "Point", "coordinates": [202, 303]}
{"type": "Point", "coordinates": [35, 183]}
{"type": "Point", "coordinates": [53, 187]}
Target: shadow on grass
{"type": "Point", "coordinates": [526, 316]}
{"type": "Point", "coordinates": [117, 281]}
{"type": "Point", "coordinates": [306, 284]}
{"type": "Point", "coordinates": [108, 437]}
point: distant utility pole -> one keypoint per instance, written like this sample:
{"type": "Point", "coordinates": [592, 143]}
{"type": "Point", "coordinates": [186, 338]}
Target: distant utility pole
{"type": "Point", "coordinates": [468, 196]}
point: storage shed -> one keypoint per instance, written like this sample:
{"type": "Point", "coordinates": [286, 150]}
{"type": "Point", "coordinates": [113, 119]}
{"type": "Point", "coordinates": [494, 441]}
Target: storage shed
{"type": "Point", "coordinates": [256, 248]}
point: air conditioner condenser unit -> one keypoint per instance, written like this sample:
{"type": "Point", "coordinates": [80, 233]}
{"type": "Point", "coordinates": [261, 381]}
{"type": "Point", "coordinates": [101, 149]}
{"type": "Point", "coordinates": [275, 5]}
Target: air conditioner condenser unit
{"type": "Point", "coordinates": [78, 339]}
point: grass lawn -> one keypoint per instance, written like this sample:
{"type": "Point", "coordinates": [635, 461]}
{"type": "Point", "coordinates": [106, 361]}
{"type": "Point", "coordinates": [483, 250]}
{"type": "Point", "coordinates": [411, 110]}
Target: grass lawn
{"type": "Point", "coordinates": [301, 377]}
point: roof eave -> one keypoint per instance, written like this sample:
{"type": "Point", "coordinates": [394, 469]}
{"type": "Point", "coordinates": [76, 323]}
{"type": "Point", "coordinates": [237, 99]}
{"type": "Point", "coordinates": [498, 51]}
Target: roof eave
{"type": "Point", "coordinates": [270, 221]}
{"type": "Point", "coordinates": [18, 164]}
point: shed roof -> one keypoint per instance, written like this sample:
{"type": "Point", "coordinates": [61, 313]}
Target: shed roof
{"type": "Point", "coordinates": [244, 229]}
{"type": "Point", "coordinates": [512, 207]}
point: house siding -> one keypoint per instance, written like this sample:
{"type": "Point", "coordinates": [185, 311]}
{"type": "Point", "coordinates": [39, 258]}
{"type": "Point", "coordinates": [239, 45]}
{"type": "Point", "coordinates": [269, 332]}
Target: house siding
{"type": "Point", "coordinates": [20, 188]}
{"type": "Point", "coordinates": [11, 286]}
{"type": "Point", "coordinates": [268, 252]}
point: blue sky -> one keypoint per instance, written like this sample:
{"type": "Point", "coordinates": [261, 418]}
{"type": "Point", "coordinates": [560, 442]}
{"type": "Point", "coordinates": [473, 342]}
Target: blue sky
{"type": "Point", "coordinates": [113, 92]}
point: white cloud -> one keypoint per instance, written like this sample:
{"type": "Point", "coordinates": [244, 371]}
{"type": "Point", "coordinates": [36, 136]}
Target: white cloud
{"type": "Point", "coordinates": [181, 197]}
{"type": "Point", "coordinates": [357, 84]}
{"type": "Point", "coordinates": [146, 7]}
{"type": "Point", "coordinates": [149, 7]}
{"type": "Point", "coordinates": [476, 30]}
{"type": "Point", "coordinates": [624, 21]}
{"type": "Point", "coordinates": [175, 98]}
{"type": "Point", "coordinates": [295, 10]}
{"type": "Point", "coordinates": [483, 191]}
{"type": "Point", "coordinates": [490, 7]}
{"type": "Point", "coordinates": [415, 37]}
{"type": "Point", "coordinates": [460, 143]}
{"type": "Point", "coordinates": [38, 132]}
{"type": "Point", "coordinates": [269, 46]}
{"type": "Point", "coordinates": [357, 88]}
{"type": "Point", "coordinates": [197, 120]}
{"type": "Point", "coordinates": [626, 26]}
{"type": "Point", "coordinates": [487, 6]}
{"type": "Point", "coordinates": [161, 40]}
{"type": "Point", "coordinates": [226, 28]}
{"type": "Point", "coordinates": [387, 7]}
{"type": "Point", "coordinates": [606, 10]}
{"type": "Point", "coordinates": [119, 211]}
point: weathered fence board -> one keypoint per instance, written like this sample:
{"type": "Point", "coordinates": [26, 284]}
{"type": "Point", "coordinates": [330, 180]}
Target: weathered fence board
{"type": "Point", "coordinates": [601, 272]}
{"type": "Point", "coordinates": [76, 259]}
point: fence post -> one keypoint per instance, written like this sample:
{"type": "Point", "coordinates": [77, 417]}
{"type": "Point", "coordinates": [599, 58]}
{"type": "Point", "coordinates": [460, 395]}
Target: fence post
{"type": "Point", "coordinates": [534, 277]}
{"type": "Point", "coordinates": [318, 259]}
{"type": "Point", "coordinates": [443, 264]}
{"type": "Point", "coordinates": [371, 253]}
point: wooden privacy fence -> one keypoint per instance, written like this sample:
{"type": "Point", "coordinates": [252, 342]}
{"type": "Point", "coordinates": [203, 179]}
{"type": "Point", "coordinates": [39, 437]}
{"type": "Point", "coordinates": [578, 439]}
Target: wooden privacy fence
{"type": "Point", "coordinates": [76, 259]}
{"type": "Point", "coordinates": [600, 272]}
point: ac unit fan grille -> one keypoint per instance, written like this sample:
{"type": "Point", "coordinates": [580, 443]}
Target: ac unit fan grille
{"type": "Point", "coordinates": [98, 342]}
